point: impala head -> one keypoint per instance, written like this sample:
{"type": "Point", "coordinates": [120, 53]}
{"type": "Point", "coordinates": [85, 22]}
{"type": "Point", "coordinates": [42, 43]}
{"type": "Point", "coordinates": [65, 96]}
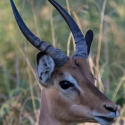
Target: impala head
{"type": "Point", "coordinates": [68, 81]}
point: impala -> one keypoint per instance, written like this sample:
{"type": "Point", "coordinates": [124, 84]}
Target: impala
{"type": "Point", "coordinates": [69, 95]}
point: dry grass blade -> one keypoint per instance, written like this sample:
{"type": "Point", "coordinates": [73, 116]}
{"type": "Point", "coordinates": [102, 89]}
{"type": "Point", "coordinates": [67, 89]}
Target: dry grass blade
{"type": "Point", "coordinates": [122, 80]}
{"type": "Point", "coordinates": [32, 93]}
{"type": "Point", "coordinates": [120, 117]}
{"type": "Point", "coordinates": [52, 27]}
{"type": "Point", "coordinates": [34, 17]}
{"type": "Point", "coordinates": [99, 46]}
{"type": "Point", "coordinates": [68, 44]}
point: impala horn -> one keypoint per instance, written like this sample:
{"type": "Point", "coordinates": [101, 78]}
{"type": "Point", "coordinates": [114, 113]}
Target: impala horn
{"type": "Point", "coordinates": [57, 55]}
{"type": "Point", "coordinates": [81, 47]}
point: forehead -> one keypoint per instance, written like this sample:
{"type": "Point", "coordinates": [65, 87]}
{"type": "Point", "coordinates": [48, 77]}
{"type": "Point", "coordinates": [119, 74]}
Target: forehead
{"type": "Point", "coordinates": [78, 68]}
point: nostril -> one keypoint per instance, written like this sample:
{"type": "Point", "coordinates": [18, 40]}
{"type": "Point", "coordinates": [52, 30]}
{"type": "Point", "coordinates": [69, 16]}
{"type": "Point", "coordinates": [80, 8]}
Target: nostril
{"type": "Point", "coordinates": [111, 108]}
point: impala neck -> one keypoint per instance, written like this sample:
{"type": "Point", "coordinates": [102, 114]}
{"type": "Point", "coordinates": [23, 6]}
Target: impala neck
{"type": "Point", "coordinates": [46, 118]}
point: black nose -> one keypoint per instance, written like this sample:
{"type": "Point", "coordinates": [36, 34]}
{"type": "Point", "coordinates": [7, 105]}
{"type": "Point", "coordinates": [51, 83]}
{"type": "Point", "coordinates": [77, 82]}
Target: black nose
{"type": "Point", "coordinates": [111, 108]}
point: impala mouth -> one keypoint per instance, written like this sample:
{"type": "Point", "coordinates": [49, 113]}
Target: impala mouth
{"type": "Point", "coordinates": [104, 120]}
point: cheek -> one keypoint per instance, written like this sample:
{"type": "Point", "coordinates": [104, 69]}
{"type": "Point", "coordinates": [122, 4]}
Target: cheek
{"type": "Point", "coordinates": [69, 98]}
{"type": "Point", "coordinates": [80, 111]}
{"type": "Point", "coordinates": [60, 108]}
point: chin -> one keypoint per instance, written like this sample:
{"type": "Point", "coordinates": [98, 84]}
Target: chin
{"type": "Point", "coordinates": [104, 121]}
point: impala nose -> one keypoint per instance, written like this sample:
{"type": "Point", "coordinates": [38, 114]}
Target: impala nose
{"type": "Point", "coordinates": [111, 108]}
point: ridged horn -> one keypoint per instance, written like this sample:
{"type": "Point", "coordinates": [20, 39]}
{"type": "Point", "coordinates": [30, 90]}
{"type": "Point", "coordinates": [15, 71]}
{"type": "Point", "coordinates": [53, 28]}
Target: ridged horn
{"type": "Point", "coordinates": [81, 47]}
{"type": "Point", "coordinates": [57, 55]}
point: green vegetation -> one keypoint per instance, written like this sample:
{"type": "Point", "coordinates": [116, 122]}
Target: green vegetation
{"type": "Point", "coordinates": [19, 88]}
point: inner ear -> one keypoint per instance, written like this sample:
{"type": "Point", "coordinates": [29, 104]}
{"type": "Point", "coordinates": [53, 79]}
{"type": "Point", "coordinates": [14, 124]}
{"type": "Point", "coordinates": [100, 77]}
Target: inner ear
{"type": "Point", "coordinates": [89, 38]}
{"type": "Point", "coordinates": [45, 69]}
{"type": "Point", "coordinates": [39, 56]}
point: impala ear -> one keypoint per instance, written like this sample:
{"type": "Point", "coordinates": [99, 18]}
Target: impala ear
{"type": "Point", "coordinates": [89, 38]}
{"type": "Point", "coordinates": [45, 68]}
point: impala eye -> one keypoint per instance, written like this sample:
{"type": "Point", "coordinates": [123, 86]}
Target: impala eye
{"type": "Point", "coordinates": [95, 78]}
{"type": "Point", "coordinates": [65, 84]}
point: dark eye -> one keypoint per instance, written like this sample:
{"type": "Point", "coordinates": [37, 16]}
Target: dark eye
{"type": "Point", "coordinates": [95, 78]}
{"type": "Point", "coordinates": [65, 84]}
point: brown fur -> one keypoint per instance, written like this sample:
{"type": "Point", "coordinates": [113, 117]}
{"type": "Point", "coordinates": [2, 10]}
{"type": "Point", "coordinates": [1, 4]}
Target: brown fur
{"type": "Point", "coordinates": [59, 108]}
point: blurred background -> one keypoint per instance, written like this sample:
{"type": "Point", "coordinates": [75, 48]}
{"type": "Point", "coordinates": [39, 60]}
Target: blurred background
{"type": "Point", "coordinates": [19, 89]}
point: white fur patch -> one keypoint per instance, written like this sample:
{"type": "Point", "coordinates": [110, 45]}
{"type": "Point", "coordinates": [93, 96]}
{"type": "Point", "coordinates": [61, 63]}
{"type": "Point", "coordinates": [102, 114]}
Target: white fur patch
{"type": "Point", "coordinates": [69, 78]}
{"type": "Point", "coordinates": [45, 68]}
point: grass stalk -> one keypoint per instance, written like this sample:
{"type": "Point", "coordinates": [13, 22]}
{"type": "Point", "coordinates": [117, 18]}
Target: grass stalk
{"type": "Point", "coordinates": [69, 11]}
{"type": "Point", "coordinates": [31, 92]}
{"type": "Point", "coordinates": [99, 46]}
{"type": "Point", "coordinates": [34, 17]}
{"type": "Point", "coordinates": [68, 44]}
{"type": "Point", "coordinates": [52, 27]}
{"type": "Point", "coordinates": [122, 80]}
